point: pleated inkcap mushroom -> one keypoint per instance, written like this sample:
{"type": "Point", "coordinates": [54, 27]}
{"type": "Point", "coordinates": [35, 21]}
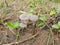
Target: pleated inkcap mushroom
{"type": "Point", "coordinates": [22, 25]}
{"type": "Point", "coordinates": [24, 17]}
{"type": "Point", "coordinates": [34, 18]}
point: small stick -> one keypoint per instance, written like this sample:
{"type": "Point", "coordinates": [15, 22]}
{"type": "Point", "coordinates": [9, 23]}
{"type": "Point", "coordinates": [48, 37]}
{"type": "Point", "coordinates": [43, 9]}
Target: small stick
{"type": "Point", "coordinates": [47, 43]}
{"type": "Point", "coordinates": [11, 31]}
{"type": "Point", "coordinates": [24, 39]}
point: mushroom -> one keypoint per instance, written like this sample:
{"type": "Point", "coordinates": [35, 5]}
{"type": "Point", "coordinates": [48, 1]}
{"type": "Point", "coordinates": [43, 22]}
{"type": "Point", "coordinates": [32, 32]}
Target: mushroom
{"type": "Point", "coordinates": [34, 18]}
{"type": "Point", "coordinates": [24, 18]}
{"type": "Point", "coordinates": [22, 25]}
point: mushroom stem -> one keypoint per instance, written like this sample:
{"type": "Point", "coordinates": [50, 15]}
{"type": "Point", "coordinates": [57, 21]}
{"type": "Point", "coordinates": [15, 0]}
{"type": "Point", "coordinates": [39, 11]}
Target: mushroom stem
{"type": "Point", "coordinates": [33, 31]}
{"type": "Point", "coordinates": [17, 36]}
{"type": "Point", "coordinates": [22, 30]}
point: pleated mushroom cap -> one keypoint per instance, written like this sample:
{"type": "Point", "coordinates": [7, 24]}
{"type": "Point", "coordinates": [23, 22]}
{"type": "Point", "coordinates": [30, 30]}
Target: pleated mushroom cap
{"type": "Point", "coordinates": [34, 18]}
{"type": "Point", "coordinates": [22, 25]}
{"type": "Point", "coordinates": [24, 17]}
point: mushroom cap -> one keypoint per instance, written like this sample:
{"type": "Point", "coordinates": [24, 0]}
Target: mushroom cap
{"type": "Point", "coordinates": [34, 18]}
{"type": "Point", "coordinates": [24, 17]}
{"type": "Point", "coordinates": [22, 25]}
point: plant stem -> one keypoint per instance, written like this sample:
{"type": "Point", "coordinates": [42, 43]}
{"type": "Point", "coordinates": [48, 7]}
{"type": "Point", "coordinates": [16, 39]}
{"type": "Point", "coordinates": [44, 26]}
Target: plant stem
{"type": "Point", "coordinates": [51, 33]}
{"type": "Point", "coordinates": [53, 42]}
{"type": "Point", "coordinates": [48, 39]}
{"type": "Point", "coordinates": [17, 36]}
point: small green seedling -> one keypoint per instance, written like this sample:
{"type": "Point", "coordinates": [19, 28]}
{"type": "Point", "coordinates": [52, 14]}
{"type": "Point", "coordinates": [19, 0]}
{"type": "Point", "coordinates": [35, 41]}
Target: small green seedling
{"type": "Point", "coordinates": [13, 26]}
{"type": "Point", "coordinates": [10, 25]}
{"type": "Point", "coordinates": [42, 17]}
{"type": "Point", "coordinates": [53, 12]}
{"type": "Point", "coordinates": [40, 24]}
{"type": "Point", "coordinates": [56, 26]}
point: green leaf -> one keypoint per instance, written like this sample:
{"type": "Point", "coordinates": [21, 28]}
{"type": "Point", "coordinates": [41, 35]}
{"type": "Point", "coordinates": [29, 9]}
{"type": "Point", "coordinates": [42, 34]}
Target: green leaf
{"type": "Point", "coordinates": [32, 5]}
{"type": "Point", "coordinates": [59, 24]}
{"type": "Point", "coordinates": [43, 17]}
{"type": "Point", "coordinates": [59, 31]}
{"type": "Point", "coordinates": [1, 4]}
{"type": "Point", "coordinates": [9, 24]}
{"type": "Point", "coordinates": [40, 24]}
{"type": "Point", "coordinates": [31, 10]}
{"type": "Point", "coordinates": [52, 13]}
{"type": "Point", "coordinates": [16, 24]}
{"type": "Point", "coordinates": [22, 11]}
{"type": "Point", "coordinates": [55, 26]}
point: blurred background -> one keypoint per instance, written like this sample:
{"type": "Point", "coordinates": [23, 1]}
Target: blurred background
{"type": "Point", "coordinates": [33, 6]}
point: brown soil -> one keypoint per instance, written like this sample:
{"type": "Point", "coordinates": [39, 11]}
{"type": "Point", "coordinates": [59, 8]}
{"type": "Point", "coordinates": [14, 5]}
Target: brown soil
{"type": "Point", "coordinates": [26, 38]}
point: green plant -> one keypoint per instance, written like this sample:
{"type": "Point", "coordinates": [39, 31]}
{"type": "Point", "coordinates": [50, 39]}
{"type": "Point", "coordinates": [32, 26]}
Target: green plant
{"type": "Point", "coordinates": [40, 24]}
{"type": "Point", "coordinates": [10, 25]}
{"type": "Point", "coordinates": [1, 4]}
{"type": "Point", "coordinates": [42, 17]}
{"type": "Point", "coordinates": [31, 9]}
{"type": "Point", "coordinates": [22, 12]}
{"type": "Point", "coordinates": [13, 26]}
{"type": "Point", "coordinates": [56, 26]}
{"type": "Point", "coordinates": [53, 12]}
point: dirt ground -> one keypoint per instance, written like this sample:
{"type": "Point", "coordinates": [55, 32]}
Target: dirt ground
{"type": "Point", "coordinates": [11, 10]}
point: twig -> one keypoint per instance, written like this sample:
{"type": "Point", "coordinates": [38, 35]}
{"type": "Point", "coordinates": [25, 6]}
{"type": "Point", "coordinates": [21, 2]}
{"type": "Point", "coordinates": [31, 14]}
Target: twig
{"type": "Point", "coordinates": [12, 31]}
{"type": "Point", "coordinates": [51, 33]}
{"type": "Point", "coordinates": [24, 39]}
{"type": "Point", "coordinates": [48, 39]}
